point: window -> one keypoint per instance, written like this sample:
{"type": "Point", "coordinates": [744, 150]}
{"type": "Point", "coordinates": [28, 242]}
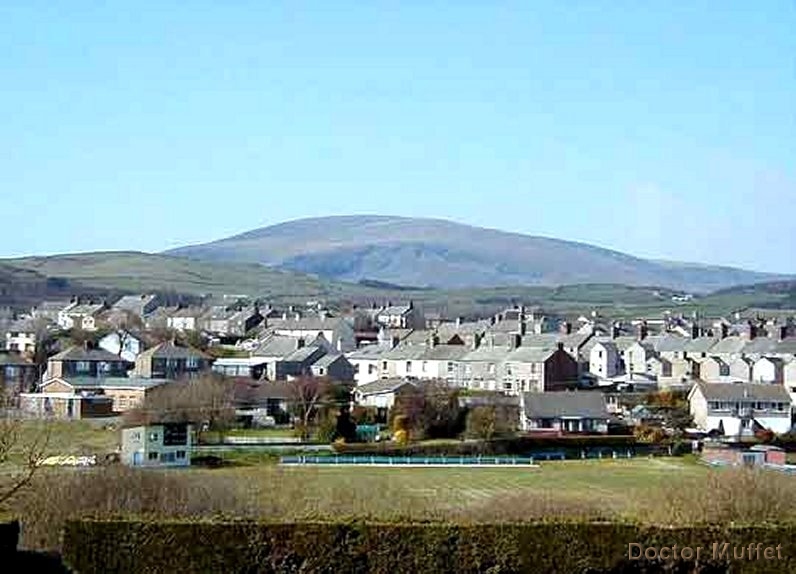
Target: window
{"type": "Point", "coordinates": [82, 366]}
{"type": "Point", "coordinates": [533, 368]}
{"type": "Point", "coordinates": [599, 354]}
{"type": "Point", "coordinates": [152, 456]}
{"type": "Point", "coordinates": [168, 457]}
{"type": "Point", "coordinates": [506, 386]}
{"type": "Point", "coordinates": [371, 369]}
{"type": "Point", "coordinates": [408, 366]}
{"type": "Point", "coordinates": [192, 363]}
{"type": "Point", "coordinates": [321, 371]}
{"type": "Point", "coordinates": [491, 368]}
{"type": "Point", "coordinates": [424, 366]}
{"type": "Point", "coordinates": [153, 437]}
{"type": "Point", "coordinates": [384, 365]}
{"type": "Point", "coordinates": [180, 454]}
{"type": "Point", "coordinates": [450, 367]}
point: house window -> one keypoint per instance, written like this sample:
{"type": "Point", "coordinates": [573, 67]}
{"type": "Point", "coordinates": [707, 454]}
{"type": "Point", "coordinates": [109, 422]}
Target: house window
{"type": "Point", "coordinates": [168, 457]}
{"type": "Point", "coordinates": [371, 369]}
{"type": "Point", "coordinates": [508, 370]}
{"type": "Point", "coordinates": [599, 354]}
{"type": "Point", "coordinates": [491, 368]}
{"type": "Point", "coordinates": [82, 366]}
{"type": "Point", "coordinates": [506, 386]}
{"type": "Point", "coordinates": [408, 366]}
{"type": "Point", "coordinates": [533, 368]}
{"type": "Point", "coordinates": [153, 437]}
{"type": "Point", "coordinates": [384, 365]}
{"type": "Point", "coordinates": [180, 454]}
{"type": "Point", "coordinates": [450, 367]}
{"type": "Point", "coordinates": [321, 371]}
{"type": "Point", "coordinates": [192, 363]}
{"type": "Point", "coordinates": [152, 456]}
{"type": "Point", "coordinates": [424, 366]}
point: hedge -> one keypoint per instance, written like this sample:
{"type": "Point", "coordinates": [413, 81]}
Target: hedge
{"type": "Point", "coordinates": [139, 546]}
{"type": "Point", "coordinates": [511, 446]}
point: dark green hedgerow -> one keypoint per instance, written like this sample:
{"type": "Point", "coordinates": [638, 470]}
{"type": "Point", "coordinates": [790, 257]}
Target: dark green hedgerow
{"type": "Point", "coordinates": [128, 546]}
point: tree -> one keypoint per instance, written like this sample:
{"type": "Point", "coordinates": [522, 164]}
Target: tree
{"type": "Point", "coordinates": [207, 400]}
{"type": "Point", "coordinates": [489, 421]}
{"type": "Point", "coordinates": [123, 323]}
{"type": "Point", "coordinates": [432, 409]}
{"type": "Point", "coordinates": [305, 394]}
{"type": "Point", "coordinates": [23, 444]}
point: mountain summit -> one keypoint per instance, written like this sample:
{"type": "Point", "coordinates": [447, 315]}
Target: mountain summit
{"type": "Point", "coordinates": [443, 254]}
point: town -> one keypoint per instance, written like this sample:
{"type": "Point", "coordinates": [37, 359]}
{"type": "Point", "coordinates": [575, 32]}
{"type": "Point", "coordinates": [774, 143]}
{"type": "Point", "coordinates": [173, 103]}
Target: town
{"type": "Point", "coordinates": [731, 380]}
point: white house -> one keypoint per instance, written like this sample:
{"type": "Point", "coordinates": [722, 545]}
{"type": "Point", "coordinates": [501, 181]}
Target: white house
{"type": "Point", "coordinates": [20, 336]}
{"type": "Point", "coordinates": [337, 331]}
{"type": "Point", "coordinates": [167, 444]}
{"type": "Point", "coordinates": [768, 370]}
{"type": "Point", "coordinates": [185, 319]}
{"type": "Point", "coordinates": [604, 360]}
{"type": "Point", "coordinates": [381, 394]}
{"type": "Point", "coordinates": [367, 363]}
{"type": "Point", "coordinates": [636, 357]}
{"type": "Point", "coordinates": [80, 316]}
{"type": "Point", "coordinates": [570, 412]}
{"type": "Point", "coordinates": [122, 343]}
{"type": "Point", "coordinates": [738, 409]}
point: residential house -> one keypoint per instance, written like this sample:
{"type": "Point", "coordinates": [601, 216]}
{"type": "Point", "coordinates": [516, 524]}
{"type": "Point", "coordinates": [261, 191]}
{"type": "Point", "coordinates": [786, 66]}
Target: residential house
{"type": "Point", "coordinates": [636, 357]}
{"type": "Point", "coordinates": [403, 361]}
{"type": "Point", "coordinates": [296, 364]}
{"type": "Point", "coordinates": [125, 393]}
{"type": "Point", "coordinates": [80, 316]}
{"type": "Point", "coordinates": [231, 322]}
{"type": "Point", "coordinates": [659, 368]}
{"type": "Point", "coordinates": [604, 359]}
{"type": "Point", "coordinates": [768, 370]}
{"type": "Point", "coordinates": [367, 362]}
{"type": "Point", "coordinates": [711, 370]}
{"type": "Point", "coordinates": [83, 362]}
{"type": "Point", "coordinates": [741, 369]}
{"type": "Point", "coordinates": [122, 343]}
{"type": "Point", "coordinates": [262, 403]}
{"type": "Point", "coordinates": [138, 305]}
{"type": "Point", "coordinates": [20, 335]}
{"type": "Point", "coordinates": [441, 362]}
{"type": "Point", "coordinates": [245, 367]}
{"type": "Point", "coordinates": [18, 374]}
{"type": "Point", "coordinates": [334, 366]}
{"type": "Point", "coordinates": [157, 445]}
{"type": "Point", "coordinates": [185, 319]}
{"type": "Point", "coordinates": [719, 454]}
{"type": "Point", "coordinates": [49, 311]}
{"type": "Point", "coordinates": [564, 412]}
{"type": "Point", "coordinates": [739, 409]}
{"type": "Point", "coordinates": [401, 317]}
{"type": "Point", "coordinates": [169, 361]}
{"type": "Point", "coordinates": [64, 403]}
{"type": "Point", "coordinates": [381, 394]}
{"type": "Point", "coordinates": [538, 370]}
{"type": "Point", "coordinates": [337, 331]}
{"type": "Point", "coordinates": [483, 368]}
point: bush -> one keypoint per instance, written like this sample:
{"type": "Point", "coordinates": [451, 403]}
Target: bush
{"type": "Point", "coordinates": [398, 548]}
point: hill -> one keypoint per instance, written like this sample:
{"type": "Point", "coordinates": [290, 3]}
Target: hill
{"type": "Point", "coordinates": [120, 272]}
{"type": "Point", "coordinates": [443, 254]}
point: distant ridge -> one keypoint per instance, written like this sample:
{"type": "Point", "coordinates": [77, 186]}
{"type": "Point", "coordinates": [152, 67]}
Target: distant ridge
{"type": "Point", "coordinates": [437, 253]}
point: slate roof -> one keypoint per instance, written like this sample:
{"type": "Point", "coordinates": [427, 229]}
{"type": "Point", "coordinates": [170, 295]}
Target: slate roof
{"type": "Point", "coordinates": [445, 353]}
{"type": "Point", "coordinates": [11, 358]}
{"type": "Point", "coordinates": [406, 353]}
{"type": "Point", "coordinates": [487, 354]}
{"type": "Point", "coordinates": [700, 344]}
{"type": "Point", "coordinates": [729, 345]}
{"type": "Point", "coordinates": [315, 324]}
{"type": "Point", "coordinates": [302, 354]}
{"type": "Point", "coordinates": [529, 355]}
{"type": "Point", "coordinates": [372, 352]}
{"type": "Point", "coordinates": [81, 354]}
{"type": "Point", "coordinates": [169, 350]}
{"type": "Point", "coordinates": [278, 346]}
{"type": "Point", "coordinates": [383, 386]}
{"type": "Point", "coordinates": [110, 382]}
{"type": "Point", "coordinates": [327, 360]}
{"type": "Point", "coordinates": [133, 303]}
{"type": "Point", "coordinates": [740, 391]}
{"type": "Point", "coordinates": [565, 404]}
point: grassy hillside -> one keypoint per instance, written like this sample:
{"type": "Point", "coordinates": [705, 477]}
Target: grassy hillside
{"type": "Point", "coordinates": [443, 254]}
{"type": "Point", "coordinates": [136, 272]}
{"type": "Point", "coordinates": [29, 280]}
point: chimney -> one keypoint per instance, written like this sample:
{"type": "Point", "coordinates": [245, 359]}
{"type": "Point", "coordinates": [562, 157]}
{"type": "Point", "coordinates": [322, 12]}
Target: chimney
{"type": "Point", "coordinates": [492, 320]}
{"type": "Point", "coordinates": [695, 330]}
{"type": "Point", "coordinates": [476, 341]}
{"type": "Point", "coordinates": [643, 331]}
{"type": "Point", "coordinates": [300, 343]}
{"type": "Point", "coordinates": [297, 316]}
{"type": "Point", "coordinates": [614, 330]}
{"type": "Point", "coordinates": [566, 328]}
{"type": "Point", "coordinates": [395, 340]}
{"type": "Point", "coordinates": [515, 341]}
{"type": "Point", "coordinates": [458, 321]}
{"type": "Point", "coordinates": [560, 346]}
{"type": "Point", "coordinates": [434, 341]}
{"type": "Point", "coordinates": [725, 330]}
{"type": "Point", "coordinates": [783, 332]}
{"type": "Point", "coordinates": [284, 316]}
{"type": "Point", "coordinates": [523, 328]}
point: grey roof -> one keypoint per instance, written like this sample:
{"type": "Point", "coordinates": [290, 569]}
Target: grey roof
{"type": "Point", "coordinates": [169, 350]}
{"type": "Point", "coordinates": [445, 353]}
{"type": "Point", "coordinates": [327, 360]}
{"type": "Point", "coordinates": [277, 346]}
{"type": "Point", "coordinates": [624, 342]}
{"type": "Point", "coordinates": [302, 354]}
{"type": "Point", "coordinates": [669, 343]}
{"type": "Point", "coordinates": [85, 309]}
{"type": "Point", "coordinates": [195, 312]}
{"type": "Point", "coordinates": [530, 355]}
{"type": "Point", "coordinates": [12, 358]}
{"type": "Point", "coordinates": [487, 354]}
{"type": "Point", "coordinates": [81, 354]}
{"type": "Point", "coordinates": [739, 391]}
{"type": "Point", "coordinates": [729, 345]}
{"type": "Point", "coordinates": [316, 324]}
{"type": "Point", "coordinates": [396, 310]}
{"type": "Point", "coordinates": [112, 382]}
{"type": "Point", "coordinates": [134, 303]}
{"type": "Point", "coordinates": [406, 353]}
{"type": "Point", "coordinates": [700, 344]}
{"type": "Point", "coordinates": [544, 341]}
{"type": "Point", "coordinates": [565, 404]}
{"type": "Point", "coordinates": [383, 386]}
{"type": "Point", "coordinates": [368, 352]}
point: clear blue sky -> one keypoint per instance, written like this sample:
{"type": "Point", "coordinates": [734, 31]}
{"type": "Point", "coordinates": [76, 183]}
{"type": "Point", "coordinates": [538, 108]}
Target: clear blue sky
{"type": "Point", "coordinates": [664, 129]}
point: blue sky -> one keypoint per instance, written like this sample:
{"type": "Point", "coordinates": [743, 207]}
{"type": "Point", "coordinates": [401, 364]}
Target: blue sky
{"type": "Point", "coordinates": [664, 130]}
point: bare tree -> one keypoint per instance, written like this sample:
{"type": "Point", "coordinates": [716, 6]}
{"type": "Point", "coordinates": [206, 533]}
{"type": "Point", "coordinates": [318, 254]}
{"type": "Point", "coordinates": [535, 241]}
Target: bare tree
{"type": "Point", "coordinates": [123, 323]}
{"type": "Point", "coordinates": [207, 400]}
{"type": "Point", "coordinates": [23, 444]}
{"type": "Point", "coordinates": [305, 395]}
